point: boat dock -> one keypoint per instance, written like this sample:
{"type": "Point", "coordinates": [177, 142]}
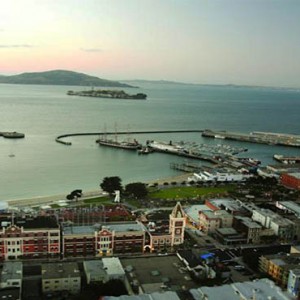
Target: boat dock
{"type": "Point", "coordinates": [259, 137]}
{"type": "Point", "coordinates": [287, 159]}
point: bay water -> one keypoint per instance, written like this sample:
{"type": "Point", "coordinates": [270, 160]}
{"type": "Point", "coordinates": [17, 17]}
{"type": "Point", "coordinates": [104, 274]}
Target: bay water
{"type": "Point", "coordinates": [38, 166]}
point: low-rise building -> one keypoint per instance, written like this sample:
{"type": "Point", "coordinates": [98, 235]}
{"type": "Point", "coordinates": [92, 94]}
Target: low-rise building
{"type": "Point", "coordinates": [232, 206]}
{"type": "Point", "coordinates": [193, 212]}
{"type": "Point", "coordinates": [103, 270]}
{"type": "Point", "coordinates": [229, 236]}
{"type": "Point", "coordinates": [284, 228]}
{"type": "Point", "coordinates": [251, 229]}
{"type": "Point", "coordinates": [278, 266]}
{"type": "Point", "coordinates": [58, 277]}
{"type": "Point", "coordinates": [12, 275]}
{"type": "Point", "coordinates": [211, 221]}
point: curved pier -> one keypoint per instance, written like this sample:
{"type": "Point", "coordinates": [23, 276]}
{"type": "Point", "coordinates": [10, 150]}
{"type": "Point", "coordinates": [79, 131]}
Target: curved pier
{"type": "Point", "coordinates": [58, 139]}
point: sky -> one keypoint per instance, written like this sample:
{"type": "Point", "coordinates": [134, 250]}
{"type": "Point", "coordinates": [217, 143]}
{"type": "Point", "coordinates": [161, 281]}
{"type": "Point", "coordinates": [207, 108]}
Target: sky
{"type": "Point", "coordinates": [250, 42]}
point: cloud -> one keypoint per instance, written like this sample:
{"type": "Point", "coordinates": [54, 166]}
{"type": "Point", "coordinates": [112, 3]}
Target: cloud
{"type": "Point", "coordinates": [16, 46]}
{"type": "Point", "coordinates": [91, 49]}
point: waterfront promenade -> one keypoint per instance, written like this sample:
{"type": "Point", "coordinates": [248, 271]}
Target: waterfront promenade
{"type": "Point", "coordinates": [46, 200]}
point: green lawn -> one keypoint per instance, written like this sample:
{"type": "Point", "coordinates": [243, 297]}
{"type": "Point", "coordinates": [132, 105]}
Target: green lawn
{"type": "Point", "coordinates": [189, 192]}
{"type": "Point", "coordinates": [98, 200]}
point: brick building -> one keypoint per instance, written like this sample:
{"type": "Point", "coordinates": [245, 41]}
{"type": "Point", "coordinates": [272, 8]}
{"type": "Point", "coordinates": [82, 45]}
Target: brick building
{"type": "Point", "coordinates": [29, 237]}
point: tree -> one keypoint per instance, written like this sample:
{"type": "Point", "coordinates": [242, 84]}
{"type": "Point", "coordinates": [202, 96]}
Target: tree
{"type": "Point", "coordinates": [111, 184]}
{"type": "Point", "coordinates": [136, 189]}
{"type": "Point", "coordinates": [74, 195]}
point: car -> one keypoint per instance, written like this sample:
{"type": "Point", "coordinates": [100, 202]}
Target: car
{"type": "Point", "coordinates": [239, 267]}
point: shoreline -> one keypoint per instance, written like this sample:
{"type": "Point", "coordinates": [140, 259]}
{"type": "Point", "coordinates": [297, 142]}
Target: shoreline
{"type": "Point", "coordinates": [43, 200]}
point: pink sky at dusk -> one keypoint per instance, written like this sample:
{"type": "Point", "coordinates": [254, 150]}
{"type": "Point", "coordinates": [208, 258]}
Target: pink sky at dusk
{"type": "Point", "coordinates": [199, 41]}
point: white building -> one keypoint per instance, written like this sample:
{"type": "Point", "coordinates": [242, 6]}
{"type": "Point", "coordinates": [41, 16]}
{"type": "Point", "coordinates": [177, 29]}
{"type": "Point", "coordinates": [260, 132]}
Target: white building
{"type": "Point", "coordinates": [206, 176]}
{"type": "Point", "coordinates": [282, 227]}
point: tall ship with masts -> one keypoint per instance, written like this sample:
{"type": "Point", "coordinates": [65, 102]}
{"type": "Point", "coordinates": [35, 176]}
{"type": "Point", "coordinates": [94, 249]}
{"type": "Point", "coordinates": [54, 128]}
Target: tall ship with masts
{"type": "Point", "coordinates": [129, 144]}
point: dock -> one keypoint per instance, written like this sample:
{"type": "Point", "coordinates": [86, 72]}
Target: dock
{"type": "Point", "coordinates": [269, 138]}
{"type": "Point", "coordinates": [287, 159]}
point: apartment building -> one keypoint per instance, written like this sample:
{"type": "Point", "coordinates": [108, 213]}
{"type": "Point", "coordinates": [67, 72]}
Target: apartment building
{"type": "Point", "coordinates": [61, 277]}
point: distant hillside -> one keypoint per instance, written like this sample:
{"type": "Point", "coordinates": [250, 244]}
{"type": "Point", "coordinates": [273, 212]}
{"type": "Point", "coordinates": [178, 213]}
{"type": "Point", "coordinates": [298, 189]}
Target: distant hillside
{"type": "Point", "coordinates": [60, 77]}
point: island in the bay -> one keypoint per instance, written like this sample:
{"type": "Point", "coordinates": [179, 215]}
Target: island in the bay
{"type": "Point", "coordinates": [115, 94]}
{"type": "Point", "coordinates": [60, 77]}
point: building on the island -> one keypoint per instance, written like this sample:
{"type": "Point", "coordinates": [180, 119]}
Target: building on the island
{"type": "Point", "coordinates": [248, 290]}
{"type": "Point", "coordinates": [29, 237]}
{"type": "Point", "coordinates": [293, 285]}
{"type": "Point", "coordinates": [11, 275]}
{"type": "Point", "coordinates": [291, 180]}
{"type": "Point", "coordinates": [103, 270]}
{"type": "Point", "coordinates": [211, 221]}
{"type": "Point", "coordinates": [59, 277]}
{"type": "Point", "coordinates": [249, 228]}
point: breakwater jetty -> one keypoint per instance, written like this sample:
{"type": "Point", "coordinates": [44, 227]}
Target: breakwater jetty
{"type": "Point", "coordinates": [60, 138]}
{"type": "Point", "coordinates": [258, 137]}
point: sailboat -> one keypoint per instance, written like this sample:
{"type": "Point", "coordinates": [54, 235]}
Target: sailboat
{"type": "Point", "coordinates": [128, 145]}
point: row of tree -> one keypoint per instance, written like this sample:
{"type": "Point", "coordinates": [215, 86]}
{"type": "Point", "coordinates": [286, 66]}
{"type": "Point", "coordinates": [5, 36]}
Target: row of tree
{"type": "Point", "coordinates": [137, 190]}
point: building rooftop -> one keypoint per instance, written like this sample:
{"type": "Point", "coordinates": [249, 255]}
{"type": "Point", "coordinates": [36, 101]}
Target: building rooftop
{"type": "Point", "coordinates": [216, 214]}
{"type": "Point", "coordinates": [292, 206]}
{"type": "Point", "coordinates": [261, 289]}
{"type": "Point", "coordinates": [10, 293]}
{"type": "Point", "coordinates": [60, 270]}
{"type": "Point", "coordinates": [113, 266]}
{"type": "Point", "coordinates": [12, 270]}
{"type": "Point", "coordinates": [169, 295]}
{"type": "Point", "coordinates": [90, 229]}
{"type": "Point", "coordinates": [248, 222]}
{"type": "Point", "coordinates": [29, 222]}
{"type": "Point", "coordinates": [193, 211]}
{"type": "Point", "coordinates": [227, 231]}
{"type": "Point", "coordinates": [227, 203]}
{"type": "Point", "coordinates": [94, 267]}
